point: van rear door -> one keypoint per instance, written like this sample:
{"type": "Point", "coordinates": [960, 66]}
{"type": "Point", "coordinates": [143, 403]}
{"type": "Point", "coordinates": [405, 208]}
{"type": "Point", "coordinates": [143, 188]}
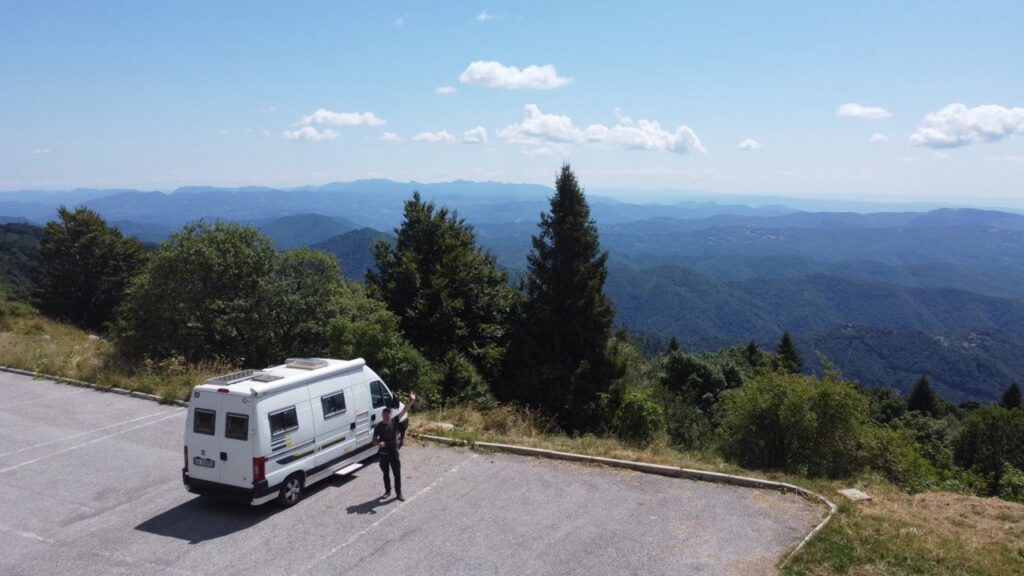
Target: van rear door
{"type": "Point", "coordinates": [202, 428]}
{"type": "Point", "coordinates": [237, 437]}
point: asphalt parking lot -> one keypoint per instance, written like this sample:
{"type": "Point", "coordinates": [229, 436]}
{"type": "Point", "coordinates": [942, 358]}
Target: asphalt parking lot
{"type": "Point", "coordinates": [90, 483]}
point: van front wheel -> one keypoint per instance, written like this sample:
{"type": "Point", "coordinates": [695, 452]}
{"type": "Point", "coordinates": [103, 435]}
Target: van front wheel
{"type": "Point", "coordinates": [291, 491]}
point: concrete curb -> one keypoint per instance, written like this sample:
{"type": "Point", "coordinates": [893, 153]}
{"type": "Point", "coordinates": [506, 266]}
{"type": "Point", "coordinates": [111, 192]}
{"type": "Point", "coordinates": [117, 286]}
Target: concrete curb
{"type": "Point", "coordinates": [672, 471]}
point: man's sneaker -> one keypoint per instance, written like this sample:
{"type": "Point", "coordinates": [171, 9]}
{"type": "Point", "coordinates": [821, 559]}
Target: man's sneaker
{"type": "Point", "coordinates": [388, 495]}
{"type": "Point", "coordinates": [400, 497]}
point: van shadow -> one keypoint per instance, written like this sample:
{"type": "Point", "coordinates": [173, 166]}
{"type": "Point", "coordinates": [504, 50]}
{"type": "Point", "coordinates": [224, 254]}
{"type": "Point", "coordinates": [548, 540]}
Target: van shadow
{"type": "Point", "coordinates": [201, 519]}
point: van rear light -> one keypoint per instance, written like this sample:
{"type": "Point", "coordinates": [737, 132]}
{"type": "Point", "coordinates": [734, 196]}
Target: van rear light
{"type": "Point", "coordinates": [259, 469]}
{"type": "Point", "coordinates": [223, 390]}
{"type": "Point", "coordinates": [186, 458]}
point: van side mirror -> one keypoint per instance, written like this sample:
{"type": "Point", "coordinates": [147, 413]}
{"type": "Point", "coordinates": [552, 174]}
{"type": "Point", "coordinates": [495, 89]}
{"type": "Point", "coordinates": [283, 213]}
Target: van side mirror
{"type": "Point", "coordinates": [394, 402]}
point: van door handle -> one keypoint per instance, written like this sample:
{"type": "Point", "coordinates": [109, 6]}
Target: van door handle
{"type": "Point", "coordinates": [373, 418]}
{"type": "Point", "coordinates": [224, 456]}
{"type": "Point", "coordinates": [352, 426]}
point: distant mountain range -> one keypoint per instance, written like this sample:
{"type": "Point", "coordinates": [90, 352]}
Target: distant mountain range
{"type": "Point", "coordinates": [887, 296]}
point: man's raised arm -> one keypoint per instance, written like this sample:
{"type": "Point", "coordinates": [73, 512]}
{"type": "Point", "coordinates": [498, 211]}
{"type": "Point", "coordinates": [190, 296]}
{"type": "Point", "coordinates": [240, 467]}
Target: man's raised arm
{"type": "Point", "coordinates": [412, 400]}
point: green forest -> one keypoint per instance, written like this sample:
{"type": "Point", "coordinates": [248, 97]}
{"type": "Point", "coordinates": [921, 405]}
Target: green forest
{"type": "Point", "coordinates": [436, 313]}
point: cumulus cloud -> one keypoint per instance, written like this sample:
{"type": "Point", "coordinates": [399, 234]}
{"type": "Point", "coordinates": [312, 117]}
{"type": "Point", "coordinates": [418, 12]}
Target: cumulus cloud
{"type": "Point", "coordinates": [878, 137]}
{"type": "Point", "coordinates": [540, 132]}
{"type": "Point", "coordinates": [324, 117]}
{"type": "Point", "coordinates": [445, 90]}
{"type": "Point", "coordinates": [497, 75]}
{"type": "Point", "coordinates": [476, 135]}
{"type": "Point", "coordinates": [750, 145]}
{"type": "Point", "coordinates": [957, 125]}
{"type": "Point", "coordinates": [442, 136]}
{"type": "Point", "coordinates": [390, 137]}
{"type": "Point", "coordinates": [853, 110]}
{"type": "Point", "coordinates": [310, 133]}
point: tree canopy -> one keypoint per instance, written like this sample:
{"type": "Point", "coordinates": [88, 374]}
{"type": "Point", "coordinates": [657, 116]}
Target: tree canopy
{"type": "Point", "coordinates": [85, 268]}
{"type": "Point", "coordinates": [560, 356]}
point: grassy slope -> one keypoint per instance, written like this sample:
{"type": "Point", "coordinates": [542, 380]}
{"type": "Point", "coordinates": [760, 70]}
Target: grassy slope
{"type": "Point", "coordinates": [895, 533]}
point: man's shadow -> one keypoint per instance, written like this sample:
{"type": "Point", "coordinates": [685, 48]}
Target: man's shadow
{"type": "Point", "coordinates": [369, 507]}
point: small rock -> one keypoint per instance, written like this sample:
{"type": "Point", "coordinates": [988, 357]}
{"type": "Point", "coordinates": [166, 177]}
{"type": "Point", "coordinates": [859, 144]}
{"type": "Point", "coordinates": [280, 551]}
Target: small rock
{"type": "Point", "coordinates": [45, 337]}
{"type": "Point", "coordinates": [854, 494]}
{"type": "Point", "coordinates": [94, 337]}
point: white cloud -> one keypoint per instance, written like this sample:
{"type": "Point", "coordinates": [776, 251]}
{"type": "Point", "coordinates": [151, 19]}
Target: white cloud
{"type": "Point", "coordinates": [541, 133]}
{"type": "Point", "coordinates": [390, 137]}
{"type": "Point", "coordinates": [853, 110]}
{"type": "Point", "coordinates": [476, 135]}
{"type": "Point", "coordinates": [310, 133]}
{"type": "Point", "coordinates": [402, 20]}
{"type": "Point", "coordinates": [324, 117]}
{"type": "Point", "coordinates": [750, 145]}
{"type": "Point", "coordinates": [957, 125]}
{"type": "Point", "coordinates": [878, 137]}
{"type": "Point", "coordinates": [445, 90]}
{"type": "Point", "coordinates": [268, 110]}
{"type": "Point", "coordinates": [486, 16]}
{"type": "Point", "coordinates": [40, 151]}
{"type": "Point", "coordinates": [442, 136]}
{"type": "Point", "coordinates": [497, 75]}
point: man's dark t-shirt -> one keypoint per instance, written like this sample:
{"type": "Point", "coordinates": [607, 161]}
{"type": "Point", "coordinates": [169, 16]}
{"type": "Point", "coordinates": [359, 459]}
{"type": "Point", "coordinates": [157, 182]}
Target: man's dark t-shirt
{"type": "Point", "coordinates": [389, 434]}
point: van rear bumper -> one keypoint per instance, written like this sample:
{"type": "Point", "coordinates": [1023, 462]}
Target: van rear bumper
{"type": "Point", "coordinates": [256, 495]}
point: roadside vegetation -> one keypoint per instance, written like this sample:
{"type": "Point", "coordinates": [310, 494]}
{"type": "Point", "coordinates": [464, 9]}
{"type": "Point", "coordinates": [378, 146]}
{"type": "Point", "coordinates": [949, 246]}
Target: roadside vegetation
{"type": "Point", "coordinates": [535, 360]}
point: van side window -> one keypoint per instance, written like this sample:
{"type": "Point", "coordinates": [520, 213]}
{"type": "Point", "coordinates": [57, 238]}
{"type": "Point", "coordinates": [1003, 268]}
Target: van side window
{"type": "Point", "coordinates": [333, 404]}
{"type": "Point", "coordinates": [283, 420]}
{"type": "Point", "coordinates": [204, 421]}
{"type": "Point", "coordinates": [377, 393]}
{"type": "Point", "coordinates": [238, 427]}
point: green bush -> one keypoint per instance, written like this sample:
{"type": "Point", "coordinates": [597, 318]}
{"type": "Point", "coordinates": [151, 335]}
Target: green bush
{"type": "Point", "coordinates": [639, 419]}
{"type": "Point", "coordinates": [896, 455]}
{"type": "Point", "coordinates": [1011, 484]}
{"type": "Point", "coordinates": [797, 423]}
{"type": "Point", "coordinates": [989, 439]}
{"type": "Point", "coordinates": [687, 426]}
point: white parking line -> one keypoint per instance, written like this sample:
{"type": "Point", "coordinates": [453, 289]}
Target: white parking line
{"type": "Point", "coordinates": [366, 530]}
{"type": "Point", "coordinates": [76, 435]}
{"type": "Point", "coordinates": [26, 535]}
{"type": "Point", "coordinates": [178, 412]}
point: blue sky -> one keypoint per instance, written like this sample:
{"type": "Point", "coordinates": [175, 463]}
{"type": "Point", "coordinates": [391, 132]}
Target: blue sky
{"type": "Point", "coordinates": [737, 98]}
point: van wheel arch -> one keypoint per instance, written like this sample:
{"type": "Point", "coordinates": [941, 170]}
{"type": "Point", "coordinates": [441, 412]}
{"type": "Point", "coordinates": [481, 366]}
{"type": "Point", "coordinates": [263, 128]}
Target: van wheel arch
{"type": "Point", "coordinates": [292, 490]}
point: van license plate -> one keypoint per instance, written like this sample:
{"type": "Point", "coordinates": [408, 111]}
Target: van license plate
{"type": "Point", "coordinates": [206, 462]}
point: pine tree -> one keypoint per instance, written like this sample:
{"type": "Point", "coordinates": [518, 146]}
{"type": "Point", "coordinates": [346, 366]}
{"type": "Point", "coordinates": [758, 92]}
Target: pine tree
{"type": "Point", "coordinates": [450, 297]}
{"type": "Point", "coordinates": [753, 354]}
{"type": "Point", "coordinates": [1011, 398]}
{"type": "Point", "coordinates": [787, 356]}
{"type": "Point", "coordinates": [923, 399]}
{"type": "Point", "coordinates": [559, 359]}
{"type": "Point", "coordinates": [673, 345]}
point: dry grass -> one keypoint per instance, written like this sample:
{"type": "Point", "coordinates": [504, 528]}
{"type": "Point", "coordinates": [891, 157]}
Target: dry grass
{"type": "Point", "coordinates": [42, 345]}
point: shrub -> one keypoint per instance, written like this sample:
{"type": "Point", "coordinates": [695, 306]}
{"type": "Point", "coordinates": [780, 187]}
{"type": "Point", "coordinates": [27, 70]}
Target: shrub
{"type": "Point", "coordinates": [795, 422]}
{"type": "Point", "coordinates": [639, 419]}
{"type": "Point", "coordinates": [897, 456]}
{"type": "Point", "coordinates": [1011, 484]}
{"type": "Point", "coordinates": [989, 439]}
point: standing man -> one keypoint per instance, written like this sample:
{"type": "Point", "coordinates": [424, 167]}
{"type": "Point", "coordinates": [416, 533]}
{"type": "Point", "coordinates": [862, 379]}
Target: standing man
{"type": "Point", "coordinates": [386, 436]}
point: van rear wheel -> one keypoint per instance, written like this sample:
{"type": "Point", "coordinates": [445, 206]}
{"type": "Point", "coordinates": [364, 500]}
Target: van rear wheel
{"type": "Point", "coordinates": [291, 491]}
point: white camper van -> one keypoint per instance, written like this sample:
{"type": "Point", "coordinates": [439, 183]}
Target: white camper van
{"type": "Point", "coordinates": [257, 435]}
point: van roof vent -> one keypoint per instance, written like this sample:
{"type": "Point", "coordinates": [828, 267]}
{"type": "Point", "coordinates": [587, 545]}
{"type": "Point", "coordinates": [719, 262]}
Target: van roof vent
{"type": "Point", "coordinates": [233, 377]}
{"type": "Point", "coordinates": [267, 377]}
{"type": "Point", "coordinates": [306, 363]}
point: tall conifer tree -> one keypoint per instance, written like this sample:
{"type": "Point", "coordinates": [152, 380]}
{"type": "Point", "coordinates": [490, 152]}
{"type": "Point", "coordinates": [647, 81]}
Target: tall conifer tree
{"type": "Point", "coordinates": [1011, 398]}
{"type": "Point", "coordinates": [787, 356]}
{"type": "Point", "coordinates": [559, 359]}
{"type": "Point", "coordinates": [923, 399]}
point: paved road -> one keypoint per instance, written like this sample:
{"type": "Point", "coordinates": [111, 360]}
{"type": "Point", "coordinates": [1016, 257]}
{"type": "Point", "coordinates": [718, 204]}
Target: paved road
{"type": "Point", "coordinates": [90, 484]}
